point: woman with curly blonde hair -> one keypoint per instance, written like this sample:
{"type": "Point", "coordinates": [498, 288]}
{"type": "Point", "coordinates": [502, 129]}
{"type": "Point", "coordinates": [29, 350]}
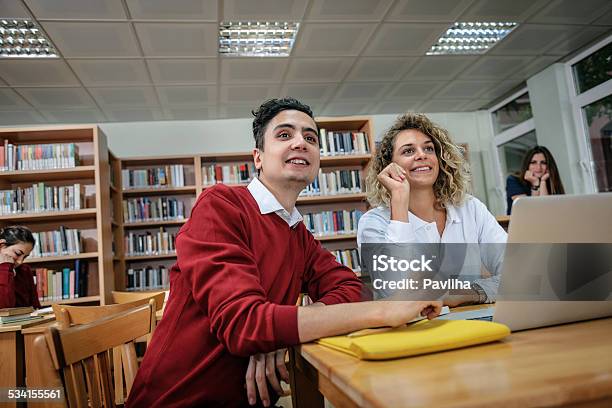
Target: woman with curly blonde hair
{"type": "Point", "coordinates": [417, 185]}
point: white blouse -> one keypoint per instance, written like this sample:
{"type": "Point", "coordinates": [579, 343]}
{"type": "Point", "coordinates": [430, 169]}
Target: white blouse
{"type": "Point", "coordinates": [470, 223]}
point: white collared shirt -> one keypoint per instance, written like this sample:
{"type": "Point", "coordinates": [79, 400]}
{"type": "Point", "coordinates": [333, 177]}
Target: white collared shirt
{"type": "Point", "coordinates": [269, 204]}
{"type": "Point", "coordinates": [469, 223]}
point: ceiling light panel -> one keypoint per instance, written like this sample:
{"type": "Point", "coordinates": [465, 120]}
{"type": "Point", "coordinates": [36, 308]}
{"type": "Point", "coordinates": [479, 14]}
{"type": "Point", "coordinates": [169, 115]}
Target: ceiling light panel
{"type": "Point", "coordinates": [22, 38]}
{"type": "Point", "coordinates": [469, 38]}
{"type": "Point", "coordinates": [257, 38]}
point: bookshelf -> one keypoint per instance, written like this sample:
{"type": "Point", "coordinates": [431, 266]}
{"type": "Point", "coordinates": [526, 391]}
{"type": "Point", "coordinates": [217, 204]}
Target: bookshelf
{"type": "Point", "coordinates": [200, 172]}
{"type": "Point", "coordinates": [51, 193]}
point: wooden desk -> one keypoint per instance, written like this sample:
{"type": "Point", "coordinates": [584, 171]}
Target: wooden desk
{"type": "Point", "coordinates": [13, 355]}
{"type": "Point", "coordinates": [555, 366]}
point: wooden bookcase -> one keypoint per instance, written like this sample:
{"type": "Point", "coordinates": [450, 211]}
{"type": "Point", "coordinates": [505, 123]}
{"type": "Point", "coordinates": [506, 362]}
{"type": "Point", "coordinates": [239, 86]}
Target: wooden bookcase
{"type": "Point", "coordinates": [93, 173]}
{"type": "Point", "coordinates": [194, 185]}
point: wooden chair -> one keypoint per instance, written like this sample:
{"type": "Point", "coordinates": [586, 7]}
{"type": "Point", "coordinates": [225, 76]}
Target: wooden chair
{"type": "Point", "coordinates": [82, 354]}
{"type": "Point", "coordinates": [124, 360]}
{"type": "Point", "coordinates": [127, 297]}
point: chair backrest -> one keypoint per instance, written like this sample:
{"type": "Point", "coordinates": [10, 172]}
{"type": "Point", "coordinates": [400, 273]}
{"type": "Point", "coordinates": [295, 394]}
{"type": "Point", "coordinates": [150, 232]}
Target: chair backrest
{"type": "Point", "coordinates": [82, 354]}
{"type": "Point", "coordinates": [128, 297]}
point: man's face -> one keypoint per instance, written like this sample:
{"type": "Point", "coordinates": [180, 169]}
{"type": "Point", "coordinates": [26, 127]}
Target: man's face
{"type": "Point", "coordinates": [291, 150]}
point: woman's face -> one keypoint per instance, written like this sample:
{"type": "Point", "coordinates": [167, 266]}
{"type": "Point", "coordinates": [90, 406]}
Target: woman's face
{"type": "Point", "coordinates": [538, 166]}
{"type": "Point", "coordinates": [415, 153]}
{"type": "Point", "coordinates": [18, 252]}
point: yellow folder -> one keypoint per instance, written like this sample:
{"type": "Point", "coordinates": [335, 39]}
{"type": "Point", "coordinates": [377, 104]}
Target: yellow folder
{"type": "Point", "coordinates": [423, 337]}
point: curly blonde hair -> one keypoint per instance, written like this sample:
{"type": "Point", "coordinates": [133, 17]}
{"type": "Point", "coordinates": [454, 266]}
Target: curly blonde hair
{"type": "Point", "coordinates": [453, 179]}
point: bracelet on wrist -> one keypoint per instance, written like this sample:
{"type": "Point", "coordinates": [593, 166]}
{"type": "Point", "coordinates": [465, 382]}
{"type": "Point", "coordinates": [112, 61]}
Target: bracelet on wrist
{"type": "Point", "coordinates": [535, 188]}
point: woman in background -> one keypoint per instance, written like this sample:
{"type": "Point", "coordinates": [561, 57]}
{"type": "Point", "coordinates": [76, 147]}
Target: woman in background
{"type": "Point", "coordinates": [417, 185]}
{"type": "Point", "coordinates": [539, 176]}
{"type": "Point", "coordinates": [17, 287]}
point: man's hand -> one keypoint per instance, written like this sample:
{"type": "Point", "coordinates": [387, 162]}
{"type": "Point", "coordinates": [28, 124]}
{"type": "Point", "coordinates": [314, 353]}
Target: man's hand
{"type": "Point", "coordinates": [401, 312]}
{"type": "Point", "coordinates": [262, 371]}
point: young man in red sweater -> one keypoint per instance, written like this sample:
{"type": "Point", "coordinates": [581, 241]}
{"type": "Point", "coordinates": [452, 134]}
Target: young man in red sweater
{"type": "Point", "coordinates": [243, 257]}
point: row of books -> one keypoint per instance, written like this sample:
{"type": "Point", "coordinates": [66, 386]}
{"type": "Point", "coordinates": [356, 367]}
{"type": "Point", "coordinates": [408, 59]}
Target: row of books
{"type": "Point", "coordinates": [334, 182]}
{"type": "Point", "coordinates": [41, 198]}
{"type": "Point", "coordinates": [348, 258]}
{"type": "Point", "coordinates": [160, 243]}
{"type": "Point", "coordinates": [326, 223]}
{"type": "Point", "coordinates": [143, 209]}
{"type": "Point", "coordinates": [168, 176]}
{"type": "Point", "coordinates": [64, 241]}
{"type": "Point", "coordinates": [148, 278]}
{"type": "Point", "coordinates": [38, 156]}
{"type": "Point", "coordinates": [64, 283]}
{"type": "Point", "coordinates": [339, 143]}
{"type": "Point", "coordinates": [228, 173]}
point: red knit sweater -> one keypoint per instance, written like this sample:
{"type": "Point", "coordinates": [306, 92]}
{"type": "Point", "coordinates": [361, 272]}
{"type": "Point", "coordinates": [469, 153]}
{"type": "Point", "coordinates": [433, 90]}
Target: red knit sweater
{"type": "Point", "coordinates": [17, 289]}
{"type": "Point", "coordinates": [232, 294]}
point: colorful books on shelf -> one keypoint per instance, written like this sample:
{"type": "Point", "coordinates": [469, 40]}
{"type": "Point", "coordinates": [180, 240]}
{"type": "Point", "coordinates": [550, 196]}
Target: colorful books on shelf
{"type": "Point", "coordinates": [326, 223]}
{"type": "Point", "coordinates": [159, 243]}
{"type": "Point", "coordinates": [348, 258]}
{"type": "Point", "coordinates": [41, 198]}
{"type": "Point", "coordinates": [143, 209]}
{"type": "Point", "coordinates": [227, 173]}
{"type": "Point", "coordinates": [38, 156]}
{"type": "Point", "coordinates": [64, 241]}
{"type": "Point", "coordinates": [344, 142]}
{"type": "Point", "coordinates": [148, 278]}
{"type": "Point", "coordinates": [334, 182]}
{"type": "Point", "coordinates": [161, 177]}
{"type": "Point", "coordinates": [62, 283]}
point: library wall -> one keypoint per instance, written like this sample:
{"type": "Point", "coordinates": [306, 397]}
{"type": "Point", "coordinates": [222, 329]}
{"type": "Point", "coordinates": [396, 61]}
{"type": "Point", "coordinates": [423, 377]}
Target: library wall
{"type": "Point", "coordinates": [138, 139]}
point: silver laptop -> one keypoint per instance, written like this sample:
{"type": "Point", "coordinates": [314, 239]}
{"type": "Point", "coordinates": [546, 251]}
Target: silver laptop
{"type": "Point", "coordinates": [551, 220]}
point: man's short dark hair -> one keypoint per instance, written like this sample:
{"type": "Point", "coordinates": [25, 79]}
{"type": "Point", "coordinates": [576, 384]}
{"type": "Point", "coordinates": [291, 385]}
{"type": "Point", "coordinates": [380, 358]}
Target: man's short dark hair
{"type": "Point", "coordinates": [268, 110]}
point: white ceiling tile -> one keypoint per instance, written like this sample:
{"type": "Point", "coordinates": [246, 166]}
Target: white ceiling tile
{"type": "Point", "coordinates": [178, 40]}
{"type": "Point", "coordinates": [40, 72]}
{"type": "Point", "coordinates": [393, 39]}
{"type": "Point", "coordinates": [311, 94]}
{"type": "Point", "coordinates": [337, 39]}
{"type": "Point", "coordinates": [237, 111]}
{"type": "Point", "coordinates": [532, 39]}
{"type": "Point", "coordinates": [443, 105]}
{"type": "Point", "coordinates": [10, 100]}
{"type": "Point", "coordinates": [501, 10]}
{"type": "Point", "coordinates": [427, 11]}
{"type": "Point", "coordinates": [397, 107]}
{"type": "Point", "coordinates": [205, 10]}
{"type": "Point", "coordinates": [244, 94]}
{"type": "Point", "coordinates": [439, 67]}
{"type": "Point", "coordinates": [183, 71]}
{"type": "Point", "coordinates": [416, 90]}
{"type": "Point", "coordinates": [500, 89]}
{"type": "Point", "coordinates": [57, 97]}
{"type": "Point", "coordinates": [476, 104]}
{"type": "Point", "coordinates": [74, 115]}
{"type": "Point", "coordinates": [464, 89]}
{"type": "Point", "coordinates": [354, 10]}
{"type": "Point", "coordinates": [125, 96]}
{"type": "Point", "coordinates": [263, 10]}
{"type": "Point", "coordinates": [13, 9]}
{"type": "Point", "coordinates": [576, 40]}
{"type": "Point", "coordinates": [380, 68]}
{"type": "Point", "coordinates": [318, 69]}
{"type": "Point", "coordinates": [490, 67]}
{"type": "Point", "coordinates": [187, 95]}
{"type": "Point", "coordinates": [92, 39]}
{"type": "Point", "coordinates": [534, 67]}
{"type": "Point", "coordinates": [346, 108]}
{"type": "Point", "coordinates": [76, 9]}
{"type": "Point", "coordinates": [111, 72]}
{"type": "Point", "coordinates": [191, 113]}
{"type": "Point", "coordinates": [361, 91]}
{"type": "Point", "coordinates": [20, 117]}
{"type": "Point", "coordinates": [252, 70]}
{"type": "Point", "coordinates": [133, 114]}
{"type": "Point", "coordinates": [570, 11]}
{"type": "Point", "coordinates": [606, 19]}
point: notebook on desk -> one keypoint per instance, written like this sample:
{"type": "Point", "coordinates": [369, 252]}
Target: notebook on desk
{"type": "Point", "coordinates": [558, 219]}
